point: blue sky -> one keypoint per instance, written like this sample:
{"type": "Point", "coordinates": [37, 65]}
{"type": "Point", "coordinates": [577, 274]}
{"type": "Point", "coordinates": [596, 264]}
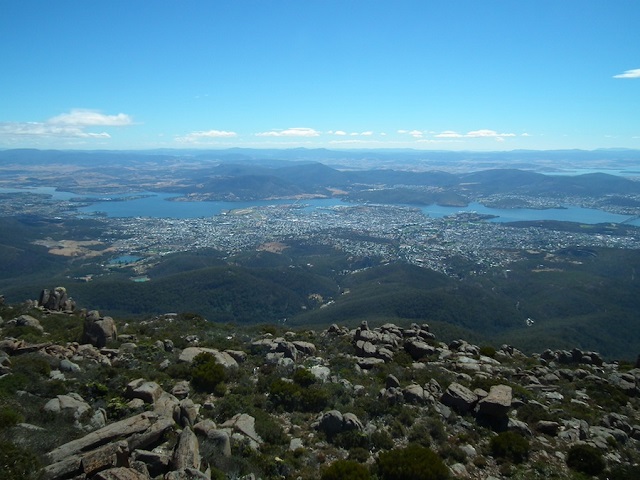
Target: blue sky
{"type": "Point", "coordinates": [442, 75]}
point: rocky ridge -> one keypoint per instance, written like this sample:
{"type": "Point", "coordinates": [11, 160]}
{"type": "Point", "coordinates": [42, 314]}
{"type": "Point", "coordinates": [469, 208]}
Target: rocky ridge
{"type": "Point", "coordinates": [175, 397]}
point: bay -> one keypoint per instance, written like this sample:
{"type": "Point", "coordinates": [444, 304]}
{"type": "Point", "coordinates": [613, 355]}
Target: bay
{"type": "Point", "coordinates": [567, 214]}
{"type": "Point", "coordinates": [161, 205]}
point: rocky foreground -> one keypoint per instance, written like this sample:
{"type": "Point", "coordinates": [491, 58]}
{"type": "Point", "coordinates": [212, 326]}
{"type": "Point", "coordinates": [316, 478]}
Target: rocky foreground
{"type": "Point", "coordinates": [175, 397]}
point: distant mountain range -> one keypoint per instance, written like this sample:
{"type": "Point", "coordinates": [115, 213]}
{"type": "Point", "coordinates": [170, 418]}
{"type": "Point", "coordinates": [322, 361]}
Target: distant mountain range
{"type": "Point", "coordinates": [239, 174]}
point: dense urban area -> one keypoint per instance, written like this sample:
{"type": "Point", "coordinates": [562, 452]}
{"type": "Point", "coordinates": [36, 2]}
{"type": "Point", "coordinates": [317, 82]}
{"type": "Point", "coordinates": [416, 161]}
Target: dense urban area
{"type": "Point", "coordinates": [386, 232]}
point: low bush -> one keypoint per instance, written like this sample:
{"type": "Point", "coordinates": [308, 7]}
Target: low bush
{"type": "Point", "coordinates": [345, 470]}
{"type": "Point", "coordinates": [533, 412]}
{"type": "Point", "coordinates": [9, 417]}
{"type": "Point", "coordinates": [414, 462]}
{"type": "Point", "coordinates": [17, 463]}
{"type": "Point", "coordinates": [510, 446]}
{"type": "Point", "coordinates": [585, 459]}
{"type": "Point", "coordinates": [290, 396]}
{"type": "Point", "coordinates": [488, 351]}
{"type": "Point", "coordinates": [206, 373]}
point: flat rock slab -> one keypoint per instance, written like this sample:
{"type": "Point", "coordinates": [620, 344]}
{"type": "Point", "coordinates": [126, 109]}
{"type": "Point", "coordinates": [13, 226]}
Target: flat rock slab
{"type": "Point", "coordinates": [497, 403]}
{"type": "Point", "coordinates": [122, 429]}
{"type": "Point", "coordinates": [459, 397]}
{"type": "Point", "coordinates": [188, 354]}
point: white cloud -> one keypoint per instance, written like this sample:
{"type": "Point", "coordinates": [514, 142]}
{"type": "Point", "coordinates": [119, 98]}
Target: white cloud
{"type": "Point", "coordinates": [366, 134]}
{"type": "Point", "coordinates": [635, 73]}
{"type": "Point", "coordinates": [483, 133]}
{"type": "Point", "coordinates": [73, 124]}
{"type": "Point", "coordinates": [340, 132]}
{"type": "Point", "coordinates": [195, 137]}
{"type": "Point", "coordinates": [488, 133]}
{"type": "Point", "coordinates": [413, 133]}
{"type": "Point", "coordinates": [449, 134]}
{"type": "Point", "coordinates": [89, 118]}
{"type": "Point", "coordinates": [291, 132]}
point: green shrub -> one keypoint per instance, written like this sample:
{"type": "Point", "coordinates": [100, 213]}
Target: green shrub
{"type": "Point", "coordinates": [510, 446]}
{"type": "Point", "coordinates": [351, 439]}
{"type": "Point", "coordinates": [10, 384]}
{"type": "Point", "coordinates": [585, 459]}
{"type": "Point", "coordinates": [206, 373]}
{"type": "Point", "coordinates": [9, 417]}
{"type": "Point", "coordinates": [303, 377]}
{"type": "Point", "coordinates": [426, 430]}
{"type": "Point", "coordinates": [488, 351]}
{"type": "Point", "coordinates": [117, 408]}
{"type": "Point", "coordinates": [381, 440]}
{"type": "Point", "coordinates": [290, 396]}
{"type": "Point", "coordinates": [413, 462]}
{"type": "Point", "coordinates": [31, 364]}
{"type": "Point", "coordinates": [28, 334]}
{"type": "Point", "coordinates": [453, 453]}
{"type": "Point", "coordinates": [17, 463]}
{"type": "Point", "coordinates": [532, 413]}
{"type": "Point", "coordinates": [314, 399]}
{"type": "Point", "coordinates": [623, 472]}
{"type": "Point", "coordinates": [345, 470]}
{"type": "Point", "coordinates": [607, 396]}
{"type": "Point", "coordinates": [269, 430]}
{"type": "Point", "coordinates": [285, 394]}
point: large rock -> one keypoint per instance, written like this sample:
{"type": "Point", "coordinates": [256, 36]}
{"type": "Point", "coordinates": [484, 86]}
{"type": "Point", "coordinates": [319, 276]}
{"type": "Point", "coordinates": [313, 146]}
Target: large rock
{"type": "Point", "coordinates": [331, 422]}
{"type": "Point", "coordinates": [418, 349]}
{"type": "Point", "coordinates": [120, 473]}
{"type": "Point", "coordinates": [497, 403]}
{"type": "Point", "coordinates": [414, 393]}
{"type": "Point", "coordinates": [145, 424]}
{"type": "Point", "coordinates": [213, 438]}
{"type": "Point", "coordinates": [25, 321]}
{"type": "Point", "coordinates": [188, 354]}
{"type": "Point", "coordinates": [157, 463]}
{"type": "Point", "coordinates": [98, 330]}
{"type": "Point", "coordinates": [147, 391]}
{"type": "Point", "coordinates": [187, 412]}
{"type": "Point", "coordinates": [72, 405]}
{"type": "Point", "coordinates": [334, 422]}
{"type": "Point", "coordinates": [111, 455]}
{"type": "Point", "coordinates": [351, 422]}
{"type": "Point", "coordinates": [459, 397]}
{"type": "Point", "coordinates": [307, 348]}
{"type": "Point", "coordinates": [187, 451]}
{"type": "Point", "coordinates": [246, 425]}
{"type": "Point", "coordinates": [190, 474]}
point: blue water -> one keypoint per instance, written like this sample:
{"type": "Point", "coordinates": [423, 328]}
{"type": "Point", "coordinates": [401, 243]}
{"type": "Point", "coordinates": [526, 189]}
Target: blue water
{"type": "Point", "coordinates": [124, 259]}
{"type": "Point", "coordinates": [624, 172]}
{"type": "Point", "coordinates": [568, 214]}
{"type": "Point", "coordinates": [157, 205]}
{"type": "Point", "coordinates": [52, 191]}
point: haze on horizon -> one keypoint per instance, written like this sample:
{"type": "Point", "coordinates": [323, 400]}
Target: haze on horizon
{"type": "Point", "coordinates": [440, 75]}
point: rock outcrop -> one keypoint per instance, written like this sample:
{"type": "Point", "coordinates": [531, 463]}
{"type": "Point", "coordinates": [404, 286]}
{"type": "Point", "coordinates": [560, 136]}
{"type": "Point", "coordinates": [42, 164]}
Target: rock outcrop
{"type": "Point", "coordinates": [56, 300]}
{"type": "Point", "coordinates": [98, 331]}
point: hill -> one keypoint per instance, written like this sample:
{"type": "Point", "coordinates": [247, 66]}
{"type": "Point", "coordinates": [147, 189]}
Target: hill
{"type": "Point", "coordinates": [85, 396]}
